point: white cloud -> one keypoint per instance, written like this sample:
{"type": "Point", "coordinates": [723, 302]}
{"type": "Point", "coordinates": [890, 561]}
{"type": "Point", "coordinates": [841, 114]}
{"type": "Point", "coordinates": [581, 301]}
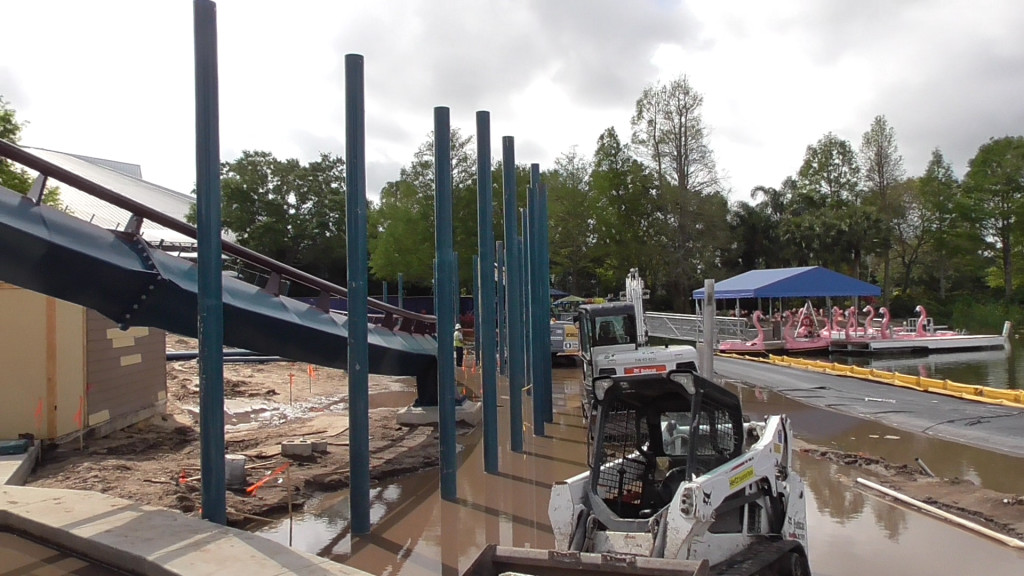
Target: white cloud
{"type": "Point", "coordinates": [115, 79]}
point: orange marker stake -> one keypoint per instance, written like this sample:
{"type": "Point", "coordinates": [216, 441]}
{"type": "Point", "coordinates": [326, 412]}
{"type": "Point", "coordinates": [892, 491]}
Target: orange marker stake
{"type": "Point", "coordinates": [251, 490]}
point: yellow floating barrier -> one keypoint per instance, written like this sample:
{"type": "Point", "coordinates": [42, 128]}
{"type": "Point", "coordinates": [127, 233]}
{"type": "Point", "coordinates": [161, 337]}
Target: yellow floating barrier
{"type": "Point", "coordinates": [996, 396]}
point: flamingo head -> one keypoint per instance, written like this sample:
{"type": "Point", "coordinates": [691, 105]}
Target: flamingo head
{"type": "Point", "coordinates": [868, 309]}
{"type": "Point", "coordinates": [757, 315]}
{"type": "Point", "coordinates": [919, 309]}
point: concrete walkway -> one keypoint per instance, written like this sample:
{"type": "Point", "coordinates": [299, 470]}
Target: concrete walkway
{"type": "Point", "coordinates": [985, 426]}
{"type": "Point", "coordinates": [147, 540]}
{"type": "Point", "coordinates": [15, 468]}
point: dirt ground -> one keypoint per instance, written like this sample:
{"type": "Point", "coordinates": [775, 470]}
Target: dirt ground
{"type": "Point", "coordinates": [148, 462]}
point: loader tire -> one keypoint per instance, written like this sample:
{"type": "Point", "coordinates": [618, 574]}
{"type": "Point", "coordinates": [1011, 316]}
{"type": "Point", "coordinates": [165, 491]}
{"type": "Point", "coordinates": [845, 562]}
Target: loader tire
{"type": "Point", "coordinates": [797, 565]}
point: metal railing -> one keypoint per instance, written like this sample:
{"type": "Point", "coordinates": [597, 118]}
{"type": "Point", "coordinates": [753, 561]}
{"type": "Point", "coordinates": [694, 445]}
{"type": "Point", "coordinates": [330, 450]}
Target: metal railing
{"type": "Point", "coordinates": [690, 327]}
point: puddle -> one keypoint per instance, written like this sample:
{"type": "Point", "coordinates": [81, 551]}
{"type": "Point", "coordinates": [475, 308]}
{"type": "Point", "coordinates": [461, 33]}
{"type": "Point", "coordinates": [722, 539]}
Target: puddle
{"type": "Point", "coordinates": [852, 434]}
{"type": "Point", "coordinates": [851, 533]}
{"type": "Point", "coordinates": [21, 556]}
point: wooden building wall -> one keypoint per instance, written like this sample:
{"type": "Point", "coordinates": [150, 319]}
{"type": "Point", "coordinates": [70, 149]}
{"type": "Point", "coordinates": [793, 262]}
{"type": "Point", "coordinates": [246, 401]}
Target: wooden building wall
{"type": "Point", "coordinates": [64, 368]}
{"type": "Point", "coordinates": [42, 364]}
{"type": "Point", "coordinates": [127, 370]}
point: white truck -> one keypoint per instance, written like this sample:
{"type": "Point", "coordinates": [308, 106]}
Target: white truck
{"type": "Point", "coordinates": [613, 341]}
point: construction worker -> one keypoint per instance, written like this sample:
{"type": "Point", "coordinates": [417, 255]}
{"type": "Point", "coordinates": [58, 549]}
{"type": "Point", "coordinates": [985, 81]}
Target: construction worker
{"type": "Point", "coordinates": [458, 345]}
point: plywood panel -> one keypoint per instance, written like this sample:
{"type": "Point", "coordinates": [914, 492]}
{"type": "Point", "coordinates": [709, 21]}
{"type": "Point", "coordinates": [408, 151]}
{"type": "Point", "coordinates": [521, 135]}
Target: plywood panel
{"type": "Point", "coordinates": [23, 362]}
{"type": "Point", "coordinates": [42, 358]}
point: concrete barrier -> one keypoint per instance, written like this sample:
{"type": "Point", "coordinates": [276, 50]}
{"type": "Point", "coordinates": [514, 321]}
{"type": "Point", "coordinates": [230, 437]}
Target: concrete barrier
{"type": "Point", "coordinates": [147, 540]}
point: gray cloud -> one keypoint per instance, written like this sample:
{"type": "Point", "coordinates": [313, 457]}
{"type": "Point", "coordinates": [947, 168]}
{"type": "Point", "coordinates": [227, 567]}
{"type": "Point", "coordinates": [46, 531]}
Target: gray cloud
{"type": "Point", "coordinates": [11, 90]}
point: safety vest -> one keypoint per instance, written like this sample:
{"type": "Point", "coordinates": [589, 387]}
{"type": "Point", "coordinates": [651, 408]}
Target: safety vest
{"type": "Point", "coordinates": [458, 339]}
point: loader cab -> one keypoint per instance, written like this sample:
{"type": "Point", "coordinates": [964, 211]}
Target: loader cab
{"type": "Point", "coordinates": [607, 327]}
{"type": "Point", "coordinates": [612, 324]}
{"type": "Point", "coordinates": [652, 434]}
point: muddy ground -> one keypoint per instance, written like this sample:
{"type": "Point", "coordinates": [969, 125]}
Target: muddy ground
{"type": "Point", "coordinates": [157, 461]}
{"type": "Point", "coordinates": [148, 462]}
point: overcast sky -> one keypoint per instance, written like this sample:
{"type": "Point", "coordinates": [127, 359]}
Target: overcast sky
{"type": "Point", "coordinates": [114, 79]}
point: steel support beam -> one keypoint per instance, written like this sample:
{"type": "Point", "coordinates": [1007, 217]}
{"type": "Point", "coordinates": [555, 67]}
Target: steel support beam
{"type": "Point", "coordinates": [514, 295]}
{"type": "Point", "coordinates": [358, 325]}
{"type": "Point", "coordinates": [210, 289]}
{"type": "Point", "coordinates": [445, 288]}
{"type": "Point", "coordinates": [485, 321]}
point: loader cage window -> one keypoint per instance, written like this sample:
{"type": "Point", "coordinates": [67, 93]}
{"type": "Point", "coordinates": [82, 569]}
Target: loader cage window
{"type": "Point", "coordinates": [623, 472]}
{"type": "Point", "coordinates": [716, 440]}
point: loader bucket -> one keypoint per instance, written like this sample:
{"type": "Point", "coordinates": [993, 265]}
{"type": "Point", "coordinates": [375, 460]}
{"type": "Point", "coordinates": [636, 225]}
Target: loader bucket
{"type": "Point", "coordinates": [495, 560]}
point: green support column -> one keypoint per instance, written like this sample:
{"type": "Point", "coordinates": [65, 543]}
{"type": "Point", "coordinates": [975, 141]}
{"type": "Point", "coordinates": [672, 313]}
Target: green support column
{"type": "Point", "coordinates": [210, 291]}
{"type": "Point", "coordinates": [544, 250]}
{"type": "Point", "coordinates": [514, 296]}
{"type": "Point", "coordinates": [446, 298]}
{"type": "Point", "coordinates": [357, 323]}
{"type": "Point", "coordinates": [485, 332]}
{"type": "Point", "coordinates": [502, 316]}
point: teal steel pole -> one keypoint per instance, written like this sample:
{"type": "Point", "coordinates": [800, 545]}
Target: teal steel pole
{"type": "Point", "coordinates": [502, 319]}
{"type": "Point", "coordinates": [485, 326]}
{"type": "Point", "coordinates": [527, 298]}
{"type": "Point", "coordinates": [385, 287]}
{"type": "Point", "coordinates": [514, 295]}
{"type": "Point", "coordinates": [541, 341]}
{"type": "Point", "coordinates": [358, 324]}
{"type": "Point", "coordinates": [476, 309]}
{"type": "Point", "coordinates": [444, 286]}
{"type": "Point", "coordinates": [211, 289]}
{"type": "Point", "coordinates": [401, 292]}
{"type": "Point", "coordinates": [456, 301]}
{"type": "Point", "coordinates": [533, 340]}
{"type": "Point", "coordinates": [543, 248]}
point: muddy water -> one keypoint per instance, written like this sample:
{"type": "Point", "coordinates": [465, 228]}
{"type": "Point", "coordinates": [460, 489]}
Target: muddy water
{"type": "Point", "coordinates": [993, 368]}
{"type": "Point", "coordinates": [850, 434]}
{"type": "Point", "coordinates": [415, 532]}
{"type": "Point", "coordinates": [21, 556]}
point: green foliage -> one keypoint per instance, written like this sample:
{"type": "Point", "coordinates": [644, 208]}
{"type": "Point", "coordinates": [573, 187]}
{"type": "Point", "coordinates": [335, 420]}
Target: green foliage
{"type": "Point", "coordinates": [402, 224]}
{"type": "Point", "coordinates": [289, 211]}
{"type": "Point", "coordinates": [12, 176]}
{"type": "Point", "coordinates": [994, 186]}
{"type": "Point", "coordinates": [689, 241]}
{"type": "Point", "coordinates": [571, 213]}
{"type": "Point", "coordinates": [984, 316]}
{"type": "Point", "coordinates": [882, 167]}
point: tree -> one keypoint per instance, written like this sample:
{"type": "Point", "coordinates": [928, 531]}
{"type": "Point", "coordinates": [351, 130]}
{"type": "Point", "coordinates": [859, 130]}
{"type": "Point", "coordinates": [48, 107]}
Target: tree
{"type": "Point", "coordinates": [291, 212]}
{"type": "Point", "coordinates": [402, 223]}
{"type": "Point", "coordinates": [954, 246]}
{"type": "Point", "coordinates": [670, 134]}
{"type": "Point", "coordinates": [571, 208]}
{"type": "Point", "coordinates": [830, 170]}
{"type": "Point", "coordinates": [882, 167]}
{"type": "Point", "coordinates": [827, 220]}
{"type": "Point", "coordinates": [12, 176]}
{"type": "Point", "coordinates": [994, 185]}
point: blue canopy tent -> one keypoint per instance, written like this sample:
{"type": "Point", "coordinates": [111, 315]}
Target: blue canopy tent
{"type": "Point", "coordinates": [804, 282]}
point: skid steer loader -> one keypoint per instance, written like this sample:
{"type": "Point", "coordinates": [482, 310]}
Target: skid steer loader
{"type": "Point", "coordinates": [677, 484]}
